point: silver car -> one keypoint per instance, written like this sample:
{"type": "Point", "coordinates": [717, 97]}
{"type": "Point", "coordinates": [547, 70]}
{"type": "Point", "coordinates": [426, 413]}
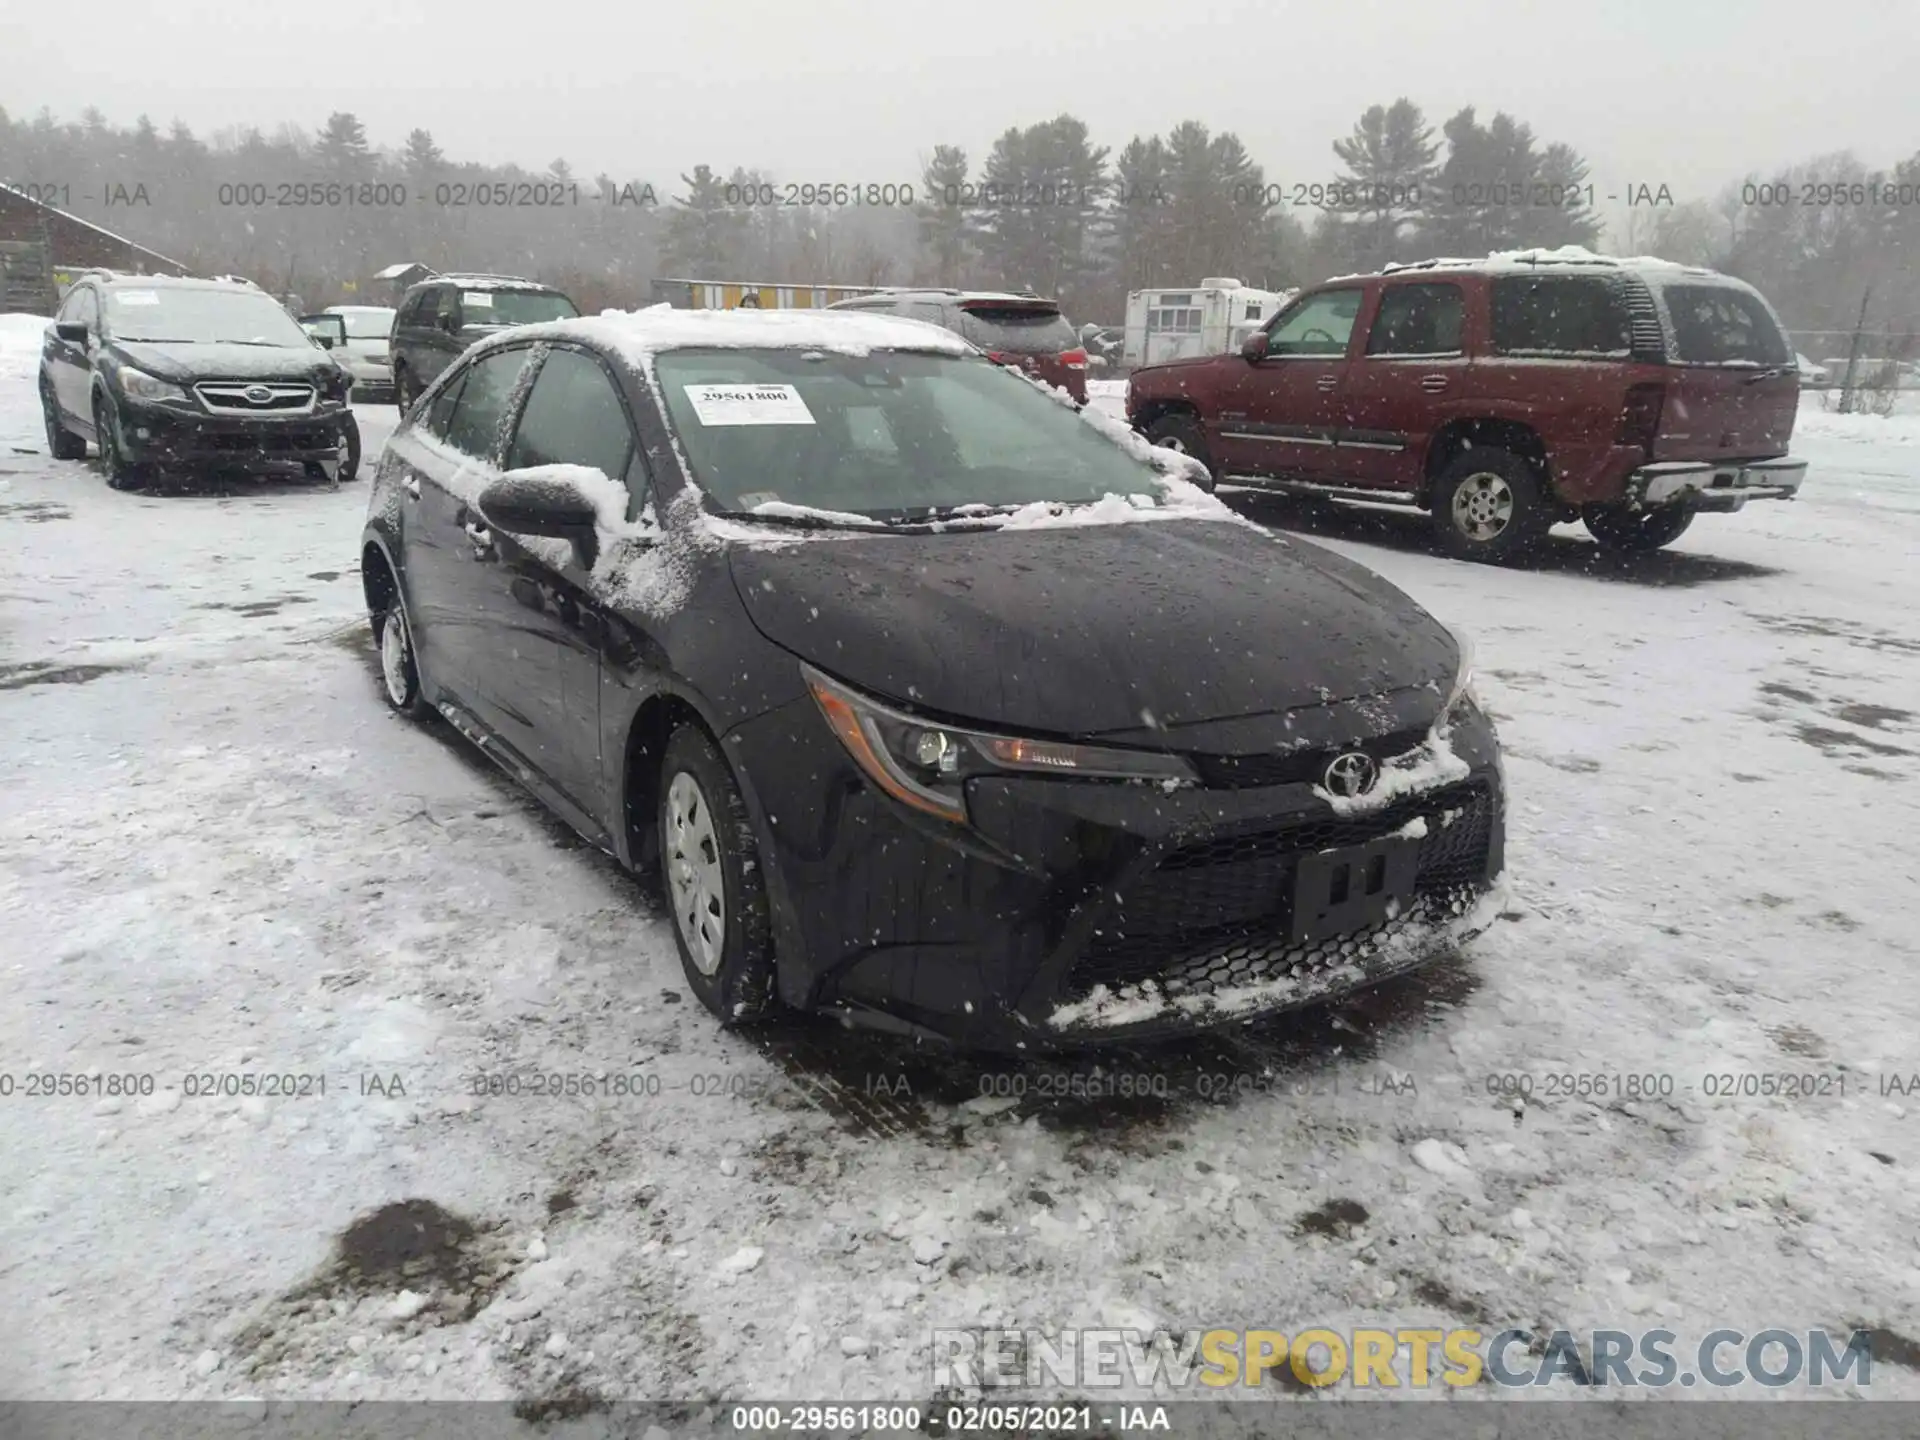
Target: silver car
{"type": "Point", "coordinates": [365, 353]}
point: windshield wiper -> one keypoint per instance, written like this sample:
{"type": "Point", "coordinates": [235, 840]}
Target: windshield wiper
{"type": "Point", "coordinates": [1770, 374]}
{"type": "Point", "coordinates": [800, 522]}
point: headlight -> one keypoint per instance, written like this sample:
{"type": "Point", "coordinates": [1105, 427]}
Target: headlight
{"type": "Point", "coordinates": [142, 386]}
{"type": "Point", "coordinates": [926, 763]}
{"type": "Point", "coordinates": [1462, 687]}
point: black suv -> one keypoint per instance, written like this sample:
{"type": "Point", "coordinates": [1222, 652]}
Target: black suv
{"type": "Point", "coordinates": [440, 317]}
{"type": "Point", "coordinates": [196, 374]}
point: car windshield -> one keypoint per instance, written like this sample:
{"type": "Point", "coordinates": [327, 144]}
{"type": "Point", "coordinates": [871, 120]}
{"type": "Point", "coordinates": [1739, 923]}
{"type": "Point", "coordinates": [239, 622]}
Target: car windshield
{"type": "Point", "coordinates": [894, 435]}
{"type": "Point", "coordinates": [204, 317]}
{"type": "Point", "coordinates": [514, 307]}
{"type": "Point", "coordinates": [1018, 329]}
{"type": "Point", "coordinates": [367, 324]}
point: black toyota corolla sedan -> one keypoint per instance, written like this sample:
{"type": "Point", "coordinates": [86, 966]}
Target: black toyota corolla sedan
{"type": "Point", "coordinates": [939, 706]}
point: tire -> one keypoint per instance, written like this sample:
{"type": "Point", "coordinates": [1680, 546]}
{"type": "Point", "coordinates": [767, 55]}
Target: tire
{"type": "Point", "coordinates": [710, 870]}
{"type": "Point", "coordinates": [403, 392]}
{"type": "Point", "coordinates": [122, 474]}
{"type": "Point", "coordinates": [1488, 506]}
{"type": "Point", "coordinates": [62, 443]}
{"type": "Point", "coordinates": [1636, 532]}
{"type": "Point", "coordinates": [399, 671]}
{"type": "Point", "coordinates": [350, 468]}
{"type": "Point", "coordinates": [1181, 431]}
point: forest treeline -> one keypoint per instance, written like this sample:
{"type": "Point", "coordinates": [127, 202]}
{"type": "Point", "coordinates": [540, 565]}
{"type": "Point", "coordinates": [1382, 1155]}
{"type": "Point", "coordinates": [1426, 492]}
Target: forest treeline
{"type": "Point", "coordinates": [316, 213]}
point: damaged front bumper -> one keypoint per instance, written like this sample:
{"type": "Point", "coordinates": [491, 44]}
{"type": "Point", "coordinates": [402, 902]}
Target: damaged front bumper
{"type": "Point", "coordinates": [1708, 485]}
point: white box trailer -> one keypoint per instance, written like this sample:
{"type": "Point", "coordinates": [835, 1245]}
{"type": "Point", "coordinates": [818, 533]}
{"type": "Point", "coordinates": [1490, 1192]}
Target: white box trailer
{"type": "Point", "coordinates": [1210, 318]}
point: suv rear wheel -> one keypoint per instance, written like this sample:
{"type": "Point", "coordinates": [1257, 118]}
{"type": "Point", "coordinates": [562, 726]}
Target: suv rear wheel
{"type": "Point", "coordinates": [1487, 506]}
{"type": "Point", "coordinates": [404, 391]}
{"type": "Point", "coordinates": [1181, 432]}
{"type": "Point", "coordinates": [1636, 532]}
{"type": "Point", "coordinates": [711, 872]}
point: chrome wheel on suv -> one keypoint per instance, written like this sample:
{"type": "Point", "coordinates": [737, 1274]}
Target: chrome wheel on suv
{"type": "Point", "coordinates": [1482, 506]}
{"type": "Point", "coordinates": [1488, 504]}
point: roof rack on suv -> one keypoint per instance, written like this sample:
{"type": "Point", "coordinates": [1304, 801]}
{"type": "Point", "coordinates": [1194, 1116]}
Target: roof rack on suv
{"type": "Point", "coordinates": [483, 275]}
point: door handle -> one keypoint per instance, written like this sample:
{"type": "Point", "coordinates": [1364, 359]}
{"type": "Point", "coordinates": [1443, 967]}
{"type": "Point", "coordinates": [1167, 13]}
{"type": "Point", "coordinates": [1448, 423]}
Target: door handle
{"type": "Point", "coordinates": [1433, 384]}
{"type": "Point", "coordinates": [1327, 382]}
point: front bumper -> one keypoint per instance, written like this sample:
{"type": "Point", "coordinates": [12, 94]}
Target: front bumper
{"type": "Point", "coordinates": [1708, 485]}
{"type": "Point", "coordinates": [166, 435]}
{"type": "Point", "coordinates": [1073, 912]}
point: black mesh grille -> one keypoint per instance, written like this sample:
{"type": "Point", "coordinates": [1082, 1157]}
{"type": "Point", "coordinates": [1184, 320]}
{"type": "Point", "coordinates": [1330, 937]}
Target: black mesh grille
{"type": "Point", "coordinates": [1231, 894]}
{"type": "Point", "coordinates": [1206, 968]}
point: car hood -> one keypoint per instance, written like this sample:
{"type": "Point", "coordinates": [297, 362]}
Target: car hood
{"type": "Point", "coordinates": [182, 362]}
{"type": "Point", "coordinates": [1095, 629]}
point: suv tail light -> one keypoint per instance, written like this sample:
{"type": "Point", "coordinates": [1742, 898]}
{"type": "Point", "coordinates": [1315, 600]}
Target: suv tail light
{"type": "Point", "coordinates": [1640, 417]}
{"type": "Point", "coordinates": [1074, 359]}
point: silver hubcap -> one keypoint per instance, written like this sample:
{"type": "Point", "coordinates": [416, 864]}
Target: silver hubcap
{"type": "Point", "coordinates": [1171, 442]}
{"type": "Point", "coordinates": [1483, 506]}
{"type": "Point", "coordinates": [393, 656]}
{"type": "Point", "coordinates": [693, 873]}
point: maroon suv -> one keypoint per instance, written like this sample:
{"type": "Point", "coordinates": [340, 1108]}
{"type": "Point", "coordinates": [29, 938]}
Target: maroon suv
{"type": "Point", "coordinates": [1023, 332]}
{"type": "Point", "coordinates": [1503, 395]}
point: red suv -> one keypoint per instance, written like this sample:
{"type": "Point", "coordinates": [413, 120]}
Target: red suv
{"type": "Point", "coordinates": [1503, 395]}
{"type": "Point", "coordinates": [1021, 331]}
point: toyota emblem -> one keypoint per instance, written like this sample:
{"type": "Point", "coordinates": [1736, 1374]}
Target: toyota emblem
{"type": "Point", "coordinates": [1351, 774]}
{"type": "Point", "coordinates": [258, 394]}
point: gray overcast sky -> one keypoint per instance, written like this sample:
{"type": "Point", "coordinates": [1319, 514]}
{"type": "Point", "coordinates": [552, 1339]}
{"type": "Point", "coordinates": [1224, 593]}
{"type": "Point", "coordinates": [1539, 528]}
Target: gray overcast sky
{"type": "Point", "coordinates": [1687, 93]}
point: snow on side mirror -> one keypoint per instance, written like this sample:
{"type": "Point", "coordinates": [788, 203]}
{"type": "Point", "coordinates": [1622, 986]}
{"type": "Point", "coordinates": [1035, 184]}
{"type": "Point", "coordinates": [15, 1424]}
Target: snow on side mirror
{"type": "Point", "coordinates": [1254, 347]}
{"type": "Point", "coordinates": [523, 502]}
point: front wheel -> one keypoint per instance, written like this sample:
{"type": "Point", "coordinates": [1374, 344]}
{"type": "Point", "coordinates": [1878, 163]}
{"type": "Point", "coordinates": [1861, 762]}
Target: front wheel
{"type": "Point", "coordinates": [404, 393]}
{"type": "Point", "coordinates": [399, 671]}
{"type": "Point", "coordinates": [1488, 506]}
{"type": "Point", "coordinates": [1636, 532]}
{"type": "Point", "coordinates": [1182, 433]}
{"type": "Point", "coordinates": [122, 473]}
{"type": "Point", "coordinates": [62, 443]}
{"type": "Point", "coordinates": [347, 461]}
{"type": "Point", "coordinates": [711, 869]}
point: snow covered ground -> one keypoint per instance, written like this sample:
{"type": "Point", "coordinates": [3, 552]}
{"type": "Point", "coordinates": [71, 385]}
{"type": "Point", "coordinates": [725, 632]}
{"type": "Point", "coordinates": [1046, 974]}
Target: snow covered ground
{"type": "Point", "coordinates": [219, 854]}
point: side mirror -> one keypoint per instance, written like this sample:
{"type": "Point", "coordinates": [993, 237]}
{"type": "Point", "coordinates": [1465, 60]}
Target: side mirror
{"type": "Point", "coordinates": [529, 502]}
{"type": "Point", "coordinates": [73, 330]}
{"type": "Point", "coordinates": [450, 323]}
{"type": "Point", "coordinates": [1254, 347]}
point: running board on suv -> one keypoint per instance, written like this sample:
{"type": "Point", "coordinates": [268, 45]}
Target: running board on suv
{"type": "Point", "coordinates": [1368, 494]}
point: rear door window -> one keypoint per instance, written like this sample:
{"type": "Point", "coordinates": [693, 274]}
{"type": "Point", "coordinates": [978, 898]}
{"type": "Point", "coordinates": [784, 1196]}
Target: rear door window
{"type": "Point", "coordinates": [1578, 315]}
{"type": "Point", "coordinates": [1017, 329]}
{"type": "Point", "coordinates": [1418, 320]}
{"type": "Point", "coordinates": [481, 409]}
{"type": "Point", "coordinates": [1719, 325]}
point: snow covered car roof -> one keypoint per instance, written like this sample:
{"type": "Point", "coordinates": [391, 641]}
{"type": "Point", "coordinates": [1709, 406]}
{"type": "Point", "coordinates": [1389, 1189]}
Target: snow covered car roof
{"type": "Point", "coordinates": [639, 335]}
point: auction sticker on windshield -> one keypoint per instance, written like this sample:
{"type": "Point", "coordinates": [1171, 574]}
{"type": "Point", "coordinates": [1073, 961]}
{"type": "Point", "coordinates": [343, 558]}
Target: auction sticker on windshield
{"type": "Point", "coordinates": [479, 299]}
{"type": "Point", "coordinates": [748, 405]}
